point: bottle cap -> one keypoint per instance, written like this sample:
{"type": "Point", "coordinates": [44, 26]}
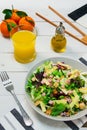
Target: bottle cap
{"type": "Point", "coordinates": [60, 29]}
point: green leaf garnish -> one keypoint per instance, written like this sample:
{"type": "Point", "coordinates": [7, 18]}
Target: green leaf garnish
{"type": "Point", "coordinates": [9, 27]}
{"type": "Point", "coordinates": [30, 21]}
{"type": "Point", "coordinates": [21, 13]}
{"type": "Point", "coordinates": [8, 13]}
{"type": "Point", "coordinates": [12, 25]}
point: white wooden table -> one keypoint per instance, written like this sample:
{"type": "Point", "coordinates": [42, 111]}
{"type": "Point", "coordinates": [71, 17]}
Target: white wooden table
{"type": "Point", "coordinates": [18, 71]}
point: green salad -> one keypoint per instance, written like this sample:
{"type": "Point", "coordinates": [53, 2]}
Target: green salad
{"type": "Point", "coordinates": [58, 89]}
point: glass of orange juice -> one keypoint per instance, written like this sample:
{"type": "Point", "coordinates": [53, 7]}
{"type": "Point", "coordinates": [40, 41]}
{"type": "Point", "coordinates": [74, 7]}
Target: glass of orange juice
{"type": "Point", "coordinates": [24, 46]}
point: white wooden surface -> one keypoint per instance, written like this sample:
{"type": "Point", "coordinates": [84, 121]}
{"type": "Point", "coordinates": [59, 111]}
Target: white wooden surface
{"type": "Point", "coordinates": [17, 71]}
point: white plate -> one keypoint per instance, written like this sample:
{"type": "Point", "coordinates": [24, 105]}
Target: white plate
{"type": "Point", "coordinates": [76, 65]}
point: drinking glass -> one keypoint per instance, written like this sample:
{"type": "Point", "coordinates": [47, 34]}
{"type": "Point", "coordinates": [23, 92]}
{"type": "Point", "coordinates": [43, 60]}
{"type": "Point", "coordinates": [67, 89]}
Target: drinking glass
{"type": "Point", "coordinates": [24, 46]}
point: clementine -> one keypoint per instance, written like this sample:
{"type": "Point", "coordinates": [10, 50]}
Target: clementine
{"type": "Point", "coordinates": [27, 23]}
{"type": "Point", "coordinates": [7, 26]}
{"type": "Point", "coordinates": [15, 16]}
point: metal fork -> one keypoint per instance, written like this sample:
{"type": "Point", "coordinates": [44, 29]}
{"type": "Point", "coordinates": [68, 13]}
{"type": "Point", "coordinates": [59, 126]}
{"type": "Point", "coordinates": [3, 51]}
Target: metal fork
{"type": "Point", "coordinates": [10, 88]}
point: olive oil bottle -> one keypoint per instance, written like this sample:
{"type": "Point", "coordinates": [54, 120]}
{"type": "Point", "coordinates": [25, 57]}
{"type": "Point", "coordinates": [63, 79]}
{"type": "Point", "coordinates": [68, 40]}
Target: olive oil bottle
{"type": "Point", "coordinates": [58, 42]}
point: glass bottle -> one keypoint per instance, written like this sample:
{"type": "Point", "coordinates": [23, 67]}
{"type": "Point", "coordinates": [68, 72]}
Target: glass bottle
{"type": "Point", "coordinates": [58, 42]}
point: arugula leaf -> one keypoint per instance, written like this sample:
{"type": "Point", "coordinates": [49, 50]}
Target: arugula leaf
{"type": "Point", "coordinates": [57, 109]}
{"type": "Point", "coordinates": [55, 72]}
{"type": "Point", "coordinates": [46, 99]}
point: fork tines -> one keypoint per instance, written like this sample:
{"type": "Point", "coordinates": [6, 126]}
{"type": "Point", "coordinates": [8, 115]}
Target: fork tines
{"type": "Point", "coordinates": [4, 76]}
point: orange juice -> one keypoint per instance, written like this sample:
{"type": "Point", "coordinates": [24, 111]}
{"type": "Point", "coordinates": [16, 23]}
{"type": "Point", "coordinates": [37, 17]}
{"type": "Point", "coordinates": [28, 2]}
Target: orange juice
{"type": "Point", "coordinates": [24, 46]}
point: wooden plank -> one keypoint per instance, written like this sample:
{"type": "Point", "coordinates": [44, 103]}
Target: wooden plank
{"type": "Point", "coordinates": [18, 80]}
{"type": "Point", "coordinates": [8, 62]}
{"type": "Point", "coordinates": [38, 120]}
{"type": "Point", "coordinates": [43, 44]}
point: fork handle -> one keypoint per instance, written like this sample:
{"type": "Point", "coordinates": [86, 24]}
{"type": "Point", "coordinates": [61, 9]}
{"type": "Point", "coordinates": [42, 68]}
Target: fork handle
{"type": "Point", "coordinates": [25, 116]}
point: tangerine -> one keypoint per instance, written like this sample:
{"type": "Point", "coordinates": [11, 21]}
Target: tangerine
{"type": "Point", "coordinates": [27, 23]}
{"type": "Point", "coordinates": [15, 16]}
{"type": "Point", "coordinates": [8, 27]}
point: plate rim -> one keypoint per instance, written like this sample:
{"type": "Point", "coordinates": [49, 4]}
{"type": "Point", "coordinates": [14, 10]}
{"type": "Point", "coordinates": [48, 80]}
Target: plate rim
{"type": "Point", "coordinates": [57, 118]}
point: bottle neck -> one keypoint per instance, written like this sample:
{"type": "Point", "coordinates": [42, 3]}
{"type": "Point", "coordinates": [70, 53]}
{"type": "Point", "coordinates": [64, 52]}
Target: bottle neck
{"type": "Point", "coordinates": [60, 30]}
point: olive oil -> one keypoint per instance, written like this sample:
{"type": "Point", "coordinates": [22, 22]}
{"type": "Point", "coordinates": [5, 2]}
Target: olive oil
{"type": "Point", "coordinates": [58, 42]}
